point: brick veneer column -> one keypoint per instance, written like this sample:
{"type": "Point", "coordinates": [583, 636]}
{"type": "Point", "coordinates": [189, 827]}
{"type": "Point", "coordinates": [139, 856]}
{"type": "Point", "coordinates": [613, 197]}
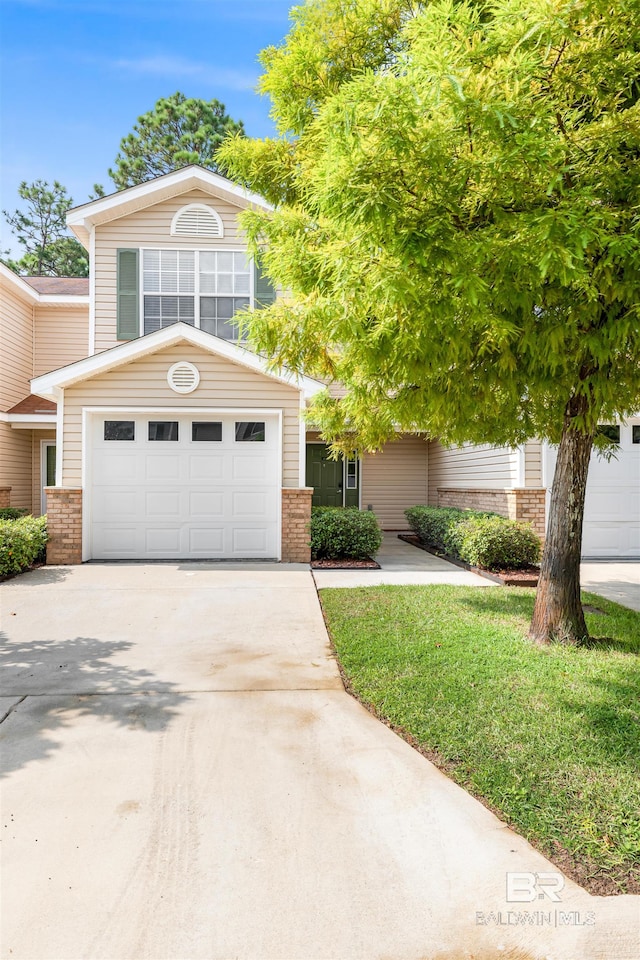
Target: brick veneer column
{"type": "Point", "coordinates": [64, 525]}
{"type": "Point", "coordinates": [529, 504]}
{"type": "Point", "coordinates": [296, 517]}
{"type": "Point", "coordinates": [526, 504]}
{"type": "Point", "coordinates": [5, 497]}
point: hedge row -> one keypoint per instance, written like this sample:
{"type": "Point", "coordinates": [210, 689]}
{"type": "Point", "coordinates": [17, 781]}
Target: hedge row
{"type": "Point", "coordinates": [344, 533]}
{"type": "Point", "coordinates": [482, 539]}
{"type": "Point", "coordinates": [22, 542]}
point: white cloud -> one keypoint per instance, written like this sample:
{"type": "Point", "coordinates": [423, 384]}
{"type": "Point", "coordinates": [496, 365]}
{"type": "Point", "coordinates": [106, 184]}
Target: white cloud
{"type": "Point", "coordinates": [179, 67]}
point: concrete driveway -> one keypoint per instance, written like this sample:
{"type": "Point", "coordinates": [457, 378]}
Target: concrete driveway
{"type": "Point", "coordinates": [184, 777]}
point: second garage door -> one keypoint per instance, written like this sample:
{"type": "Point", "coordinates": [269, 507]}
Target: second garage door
{"type": "Point", "coordinates": [185, 487]}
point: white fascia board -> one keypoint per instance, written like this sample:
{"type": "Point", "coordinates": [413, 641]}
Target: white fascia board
{"type": "Point", "coordinates": [29, 421]}
{"type": "Point", "coordinates": [62, 300]}
{"type": "Point", "coordinates": [47, 384]}
{"type": "Point", "coordinates": [19, 283]}
{"type": "Point", "coordinates": [152, 191]}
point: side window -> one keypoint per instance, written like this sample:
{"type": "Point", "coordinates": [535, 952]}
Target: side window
{"type": "Point", "coordinates": [163, 430]}
{"type": "Point", "coordinates": [119, 430]}
{"type": "Point", "coordinates": [250, 431]}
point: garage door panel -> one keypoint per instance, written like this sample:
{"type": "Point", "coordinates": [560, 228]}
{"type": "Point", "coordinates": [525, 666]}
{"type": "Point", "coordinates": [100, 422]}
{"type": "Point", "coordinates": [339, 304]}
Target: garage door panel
{"type": "Point", "coordinates": [120, 468]}
{"type": "Point", "coordinates": [249, 541]}
{"type": "Point", "coordinates": [162, 467]}
{"type": "Point", "coordinates": [206, 504]}
{"type": "Point", "coordinates": [159, 504]}
{"type": "Point", "coordinates": [206, 541]}
{"type": "Point", "coordinates": [206, 467]}
{"type": "Point", "coordinates": [187, 498]}
{"type": "Point", "coordinates": [162, 541]}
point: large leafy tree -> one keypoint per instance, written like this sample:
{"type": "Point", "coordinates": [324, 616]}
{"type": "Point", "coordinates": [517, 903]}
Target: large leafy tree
{"type": "Point", "coordinates": [178, 131]}
{"type": "Point", "coordinates": [456, 192]}
{"type": "Point", "coordinates": [41, 229]}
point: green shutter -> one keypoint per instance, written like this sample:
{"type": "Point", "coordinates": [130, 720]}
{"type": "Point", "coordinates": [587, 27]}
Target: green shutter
{"type": "Point", "coordinates": [128, 311]}
{"type": "Point", "coordinates": [263, 289]}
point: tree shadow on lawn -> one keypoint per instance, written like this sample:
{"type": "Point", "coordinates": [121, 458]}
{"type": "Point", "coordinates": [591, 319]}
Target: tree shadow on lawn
{"type": "Point", "coordinates": [505, 603]}
{"type": "Point", "coordinates": [49, 684]}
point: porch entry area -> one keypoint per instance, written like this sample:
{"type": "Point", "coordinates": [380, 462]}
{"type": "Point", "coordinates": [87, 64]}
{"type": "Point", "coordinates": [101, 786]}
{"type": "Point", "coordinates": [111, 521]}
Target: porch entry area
{"type": "Point", "coordinates": [336, 483]}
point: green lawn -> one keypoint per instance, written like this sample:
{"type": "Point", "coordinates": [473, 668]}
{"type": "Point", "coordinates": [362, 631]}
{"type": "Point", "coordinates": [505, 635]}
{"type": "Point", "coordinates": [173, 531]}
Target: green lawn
{"type": "Point", "coordinates": [547, 737]}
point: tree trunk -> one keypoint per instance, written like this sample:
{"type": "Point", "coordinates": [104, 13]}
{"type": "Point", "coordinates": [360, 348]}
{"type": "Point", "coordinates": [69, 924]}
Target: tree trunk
{"type": "Point", "coordinates": [558, 613]}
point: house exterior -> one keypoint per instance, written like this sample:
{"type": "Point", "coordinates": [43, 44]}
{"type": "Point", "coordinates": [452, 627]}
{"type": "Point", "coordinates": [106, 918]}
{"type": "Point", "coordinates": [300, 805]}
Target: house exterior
{"type": "Point", "coordinates": [131, 414]}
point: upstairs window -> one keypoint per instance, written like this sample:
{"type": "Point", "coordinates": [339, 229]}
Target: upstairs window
{"type": "Point", "coordinates": [205, 288]}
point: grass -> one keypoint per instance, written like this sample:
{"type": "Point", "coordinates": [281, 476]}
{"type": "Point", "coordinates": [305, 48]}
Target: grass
{"type": "Point", "coordinates": [549, 738]}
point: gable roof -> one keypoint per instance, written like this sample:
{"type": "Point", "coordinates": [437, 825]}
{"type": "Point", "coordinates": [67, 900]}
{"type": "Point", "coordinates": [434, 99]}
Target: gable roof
{"type": "Point", "coordinates": [68, 292]}
{"type": "Point", "coordinates": [69, 286]}
{"type": "Point", "coordinates": [49, 384]}
{"type": "Point", "coordinates": [81, 219]}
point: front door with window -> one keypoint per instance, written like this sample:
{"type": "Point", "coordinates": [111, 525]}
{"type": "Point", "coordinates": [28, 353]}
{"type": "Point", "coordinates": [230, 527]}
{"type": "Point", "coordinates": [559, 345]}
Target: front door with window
{"type": "Point", "coordinates": [335, 482]}
{"type": "Point", "coordinates": [48, 475]}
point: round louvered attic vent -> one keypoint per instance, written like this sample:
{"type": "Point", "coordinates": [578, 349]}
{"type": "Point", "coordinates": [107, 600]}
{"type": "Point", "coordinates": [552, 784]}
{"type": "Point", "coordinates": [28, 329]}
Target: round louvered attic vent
{"type": "Point", "coordinates": [183, 377]}
{"type": "Point", "coordinates": [197, 220]}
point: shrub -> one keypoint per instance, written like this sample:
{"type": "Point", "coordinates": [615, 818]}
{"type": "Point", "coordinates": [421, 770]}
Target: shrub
{"type": "Point", "coordinates": [496, 543]}
{"type": "Point", "coordinates": [344, 533]}
{"type": "Point", "coordinates": [12, 513]}
{"type": "Point", "coordinates": [433, 524]}
{"type": "Point", "coordinates": [481, 539]}
{"type": "Point", "coordinates": [22, 541]}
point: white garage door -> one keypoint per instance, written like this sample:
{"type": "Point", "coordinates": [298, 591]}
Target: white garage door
{"type": "Point", "coordinates": [612, 506]}
{"type": "Point", "coordinates": [185, 487]}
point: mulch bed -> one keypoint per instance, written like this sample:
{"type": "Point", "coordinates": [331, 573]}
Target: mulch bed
{"type": "Point", "coordinates": [345, 565]}
{"type": "Point", "coordinates": [507, 578]}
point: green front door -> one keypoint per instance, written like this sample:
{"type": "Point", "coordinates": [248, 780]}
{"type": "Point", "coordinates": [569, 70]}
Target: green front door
{"type": "Point", "coordinates": [327, 477]}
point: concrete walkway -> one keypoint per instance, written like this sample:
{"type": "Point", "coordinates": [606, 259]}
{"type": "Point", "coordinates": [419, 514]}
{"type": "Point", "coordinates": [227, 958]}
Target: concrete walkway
{"type": "Point", "coordinates": [186, 779]}
{"type": "Point", "coordinates": [401, 563]}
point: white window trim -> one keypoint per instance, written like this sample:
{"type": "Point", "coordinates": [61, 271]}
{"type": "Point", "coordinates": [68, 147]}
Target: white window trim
{"type": "Point", "coordinates": [196, 285]}
{"type": "Point", "coordinates": [43, 472]}
{"type": "Point", "coordinates": [197, 206]}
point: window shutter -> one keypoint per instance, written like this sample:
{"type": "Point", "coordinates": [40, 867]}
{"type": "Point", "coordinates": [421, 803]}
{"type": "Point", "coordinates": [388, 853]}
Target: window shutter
{"type": "Point", "coordinates": [127, 281]}
{"type": "Point", "coordinates": [263, 289]}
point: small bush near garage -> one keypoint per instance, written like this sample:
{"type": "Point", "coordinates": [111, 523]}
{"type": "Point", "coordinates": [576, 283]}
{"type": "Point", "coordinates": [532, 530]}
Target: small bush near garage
{"type": "Point", "coordinates": [496, 543]}
{"type": "Point", "coordinates": [11, 513]}
{"type": "Point", "coordinates": [22, 543]}
{"type": "Point", "coordinates": [344, 533]}
{"type": "Point", "coordinates": [481, 539]}
{"type": "Point", "coordinates": [434, 524]}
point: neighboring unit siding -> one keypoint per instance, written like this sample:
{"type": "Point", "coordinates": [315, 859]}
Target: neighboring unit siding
{"type": "Point", "coordinates": [16, 354]}
{"type": "Point", "coordinates": [61, 337]}
{"type": "Point", "coordinates": [15, 461]}
{"type": "Point", "coordinates": [471, 466]}
{"type": "Point", "coordinates": [394, 479]}
{"type": "Point", "coordinates": [143, 383]}
{"type": "Point", "coordinates": [36, 469]}
{"type": "Point", "coordinates": [533, 464]}
{"type": "Point", "coordinates": [150, 227]}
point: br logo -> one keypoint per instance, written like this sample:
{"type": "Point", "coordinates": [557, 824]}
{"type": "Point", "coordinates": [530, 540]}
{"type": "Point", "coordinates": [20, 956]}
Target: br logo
{"type": "Point", "coordinates": [527, 887]}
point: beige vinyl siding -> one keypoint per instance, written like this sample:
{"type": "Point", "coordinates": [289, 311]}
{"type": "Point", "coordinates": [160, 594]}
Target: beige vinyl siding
{"type": "Point", "coordinates": [143, 383]}
{"type": "Point", "coordinates": [61, 337]}
{"type": "Point", "coordinates": [37, 436]}
{"type": "Point", "coordinates": [150, 227]}
{"type": "Point", "coordinates": [533, 464]}
{"type": "Point", "coordinates": [394, 479]}
{"type": "Point", "coordinates": [15, 464]}
{"type": "Point", "coordinates": [16, 352]}
{"type": "Point", "coordinates": [475, 467]}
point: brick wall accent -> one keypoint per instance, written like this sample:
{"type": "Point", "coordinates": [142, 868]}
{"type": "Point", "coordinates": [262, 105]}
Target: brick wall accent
{"type": "Point", "coordinates": [296, 517]}
{"type": "Point", "coordinates": [64, 525]}
{"type": "Point", "coordinates": [518, 504]}
{"type": "Point", "coordinates": [5, 497]}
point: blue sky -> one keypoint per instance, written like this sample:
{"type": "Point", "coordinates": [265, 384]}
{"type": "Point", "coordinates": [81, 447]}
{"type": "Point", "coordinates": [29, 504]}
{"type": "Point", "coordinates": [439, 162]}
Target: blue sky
{"type": "Point", "coordinates": [76, 74]}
